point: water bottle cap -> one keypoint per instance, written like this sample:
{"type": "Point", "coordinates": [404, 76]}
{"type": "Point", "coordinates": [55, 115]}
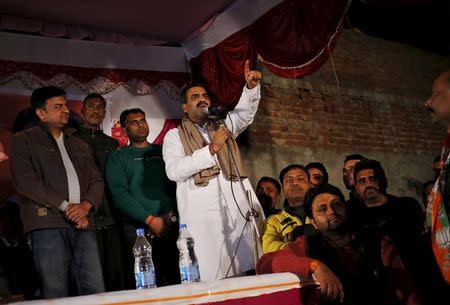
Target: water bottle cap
{"type": "Point", "coordinates": [140, 231]}
{"type": "Point", "coordinates": [183, 226]}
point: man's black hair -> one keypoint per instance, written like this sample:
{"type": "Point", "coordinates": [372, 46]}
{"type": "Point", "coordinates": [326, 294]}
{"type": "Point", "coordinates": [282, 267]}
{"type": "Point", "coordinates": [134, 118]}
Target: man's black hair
{"type": "Point", "coordinates": [320, 189]}
{"type": "Point", "coordinates": [40, 96]}
{"type": "Point", "coordinates": [378, 171]}
{"type": "Point", "coordinates": [354, 157]}
{"type": "Point", "coordinates": [94, 95]}
{"type": "Point", "coordinates": [126, 112]}
{"type": "Point", "coordinates": [186, 87]}
{"type": "Point", "coordinates": [272, 180]}
{"type": "Point", "coordinates": [292, 166]}
{"type": "Point", "coordinates": [320, 167]}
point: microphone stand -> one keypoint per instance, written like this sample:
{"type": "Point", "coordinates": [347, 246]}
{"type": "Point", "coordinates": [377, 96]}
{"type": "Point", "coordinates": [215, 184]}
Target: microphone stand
{"type": "Point", "coordinates": [251, 214]}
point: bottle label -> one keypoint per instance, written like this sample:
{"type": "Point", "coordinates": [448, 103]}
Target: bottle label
{"type": "Point", "coordinates": [185, 274]}
{"type": "Point", "coordinates": [145, 279]}
{"type": "Point", "coordinates": [189, 273]}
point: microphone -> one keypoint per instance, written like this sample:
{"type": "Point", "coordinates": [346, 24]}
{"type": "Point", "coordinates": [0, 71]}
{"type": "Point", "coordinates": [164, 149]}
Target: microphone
{"type": "Point", "coordinates": [218, 112]}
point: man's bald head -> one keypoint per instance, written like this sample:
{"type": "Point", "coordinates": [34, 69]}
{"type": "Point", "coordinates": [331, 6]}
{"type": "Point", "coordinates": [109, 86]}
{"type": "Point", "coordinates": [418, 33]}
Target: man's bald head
{"type": "Point", "coordinates": [445, 77]}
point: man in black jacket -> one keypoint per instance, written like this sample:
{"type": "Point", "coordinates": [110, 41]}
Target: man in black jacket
{"type": "Point", "coordinates": [106, 223]}
{"type": "Point", "coordinates": [399, 218]}
{"type": "Point", "coordinates": [61, 189]}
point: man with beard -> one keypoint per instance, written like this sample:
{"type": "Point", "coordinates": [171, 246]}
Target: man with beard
{"type": "Point", "coordinates": [352, 267]}
{"type": "Point", "coordinates": [140, 189]}
{"type": "Point", "coordinates": [291, 222]}
{"type": "Point", "coordinates": [209, 196]}
{"type": "Point", "coordinates": [268, 192]}
{"type": "Point", "coordinates": [399, 218]}
{"type": "Point", "coordinates": [438, 207]}
{"type": "Point", "coordinates": [61, 188]}
{"type": "Point", "coordinates": [106, 224]}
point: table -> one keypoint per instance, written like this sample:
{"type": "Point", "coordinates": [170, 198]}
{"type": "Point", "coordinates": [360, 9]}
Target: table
{"type": "Point", "coordinates": [279, 289]}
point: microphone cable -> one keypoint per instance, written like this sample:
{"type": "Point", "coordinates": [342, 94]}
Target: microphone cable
{"type": "Point", "coordinates": [237, 247]}
{"type": "Point", "coordinates": [235, 200]}
{"type": "Point", "coordinates": [231, 167]}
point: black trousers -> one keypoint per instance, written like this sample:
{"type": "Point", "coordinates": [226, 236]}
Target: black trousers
{"type": "Point", "coordinates": [110, 248]}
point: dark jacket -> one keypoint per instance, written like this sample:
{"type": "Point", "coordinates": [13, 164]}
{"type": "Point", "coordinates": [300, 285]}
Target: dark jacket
{"type": "Point", "coordinates": [101, 146]}
{"type": "Point", "coordinates": [400, 218]}
{"type": "Point", "coordinates": [39, 175]}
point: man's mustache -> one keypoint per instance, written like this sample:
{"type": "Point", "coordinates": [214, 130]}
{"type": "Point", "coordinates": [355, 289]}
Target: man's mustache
{"type": "Point", "coordinates": [431, 110]}
{"type": "Point", "coordinates": [371, 188]}
{"type": "Point", "coordinates": [201, 104]}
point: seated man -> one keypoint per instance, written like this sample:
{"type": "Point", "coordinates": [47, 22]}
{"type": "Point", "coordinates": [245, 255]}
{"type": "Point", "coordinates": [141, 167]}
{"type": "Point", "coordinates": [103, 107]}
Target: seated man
{"type": "Point", "coordinates": [352, 267]}
{"type": "Point", "coordinates": [281, 228]}
{"type": "Point", "coordinates": [402, 220]}
{"type": "Point", "coordinates": [268, 192]}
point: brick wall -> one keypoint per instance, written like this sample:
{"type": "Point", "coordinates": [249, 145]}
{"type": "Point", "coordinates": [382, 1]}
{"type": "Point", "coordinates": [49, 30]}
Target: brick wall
{"type": "Point", "coordinates": [309, 117]}
{"type": "Point", "coordinates": [377, 110]}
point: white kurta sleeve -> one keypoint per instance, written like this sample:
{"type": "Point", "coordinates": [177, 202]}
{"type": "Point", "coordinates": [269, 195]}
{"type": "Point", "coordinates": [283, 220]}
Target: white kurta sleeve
{"type": "Point", "coordinates": [180, 167]}
{"type": "Point", "coordinates": [245, 110]}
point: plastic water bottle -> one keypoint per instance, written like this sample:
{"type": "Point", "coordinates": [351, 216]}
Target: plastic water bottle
{"type": "Point", "coordinates": [144, 270]}
{"type": "Point", "coordinates": [189, 271]}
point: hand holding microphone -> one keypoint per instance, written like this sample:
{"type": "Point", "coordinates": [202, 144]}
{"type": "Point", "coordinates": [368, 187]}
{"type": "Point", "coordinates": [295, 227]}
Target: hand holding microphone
{"type": "Point", "coordinates": [219, 139]}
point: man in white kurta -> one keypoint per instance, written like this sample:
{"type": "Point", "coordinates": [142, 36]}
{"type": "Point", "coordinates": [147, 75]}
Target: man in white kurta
{"type": "Point", "coordinates": [210, 212]}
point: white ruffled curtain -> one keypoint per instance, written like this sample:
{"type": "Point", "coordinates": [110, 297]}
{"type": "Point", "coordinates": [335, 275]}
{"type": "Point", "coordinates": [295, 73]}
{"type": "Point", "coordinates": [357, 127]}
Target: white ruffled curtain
{"type": "Point", "coordinates": [100, 80]}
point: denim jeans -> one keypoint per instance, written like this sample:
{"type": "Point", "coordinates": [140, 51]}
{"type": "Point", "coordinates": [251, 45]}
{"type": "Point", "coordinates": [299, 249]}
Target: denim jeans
{"type": "Point", "coordinates": [58, 251]}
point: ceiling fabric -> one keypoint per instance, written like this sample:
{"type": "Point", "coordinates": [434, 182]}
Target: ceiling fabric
{"type": "Point", "coordinates": [236, 17]}
{"type": "Point", "coordinates": [68, 31]}
{"type": "Point", "coordinates": [292, 39]}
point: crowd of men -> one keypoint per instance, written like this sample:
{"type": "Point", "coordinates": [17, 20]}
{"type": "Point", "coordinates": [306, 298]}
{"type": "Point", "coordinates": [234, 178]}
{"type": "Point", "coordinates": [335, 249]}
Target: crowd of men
{"type": "Point", "coordinates": [82, 199]}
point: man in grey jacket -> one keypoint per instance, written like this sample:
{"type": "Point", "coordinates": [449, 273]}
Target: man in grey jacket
{"type": "Point", "coordinates": [60, 185]}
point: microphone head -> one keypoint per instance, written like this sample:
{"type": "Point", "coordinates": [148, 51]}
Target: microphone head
{"type": "Point", "coordinates": [218, 112]}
